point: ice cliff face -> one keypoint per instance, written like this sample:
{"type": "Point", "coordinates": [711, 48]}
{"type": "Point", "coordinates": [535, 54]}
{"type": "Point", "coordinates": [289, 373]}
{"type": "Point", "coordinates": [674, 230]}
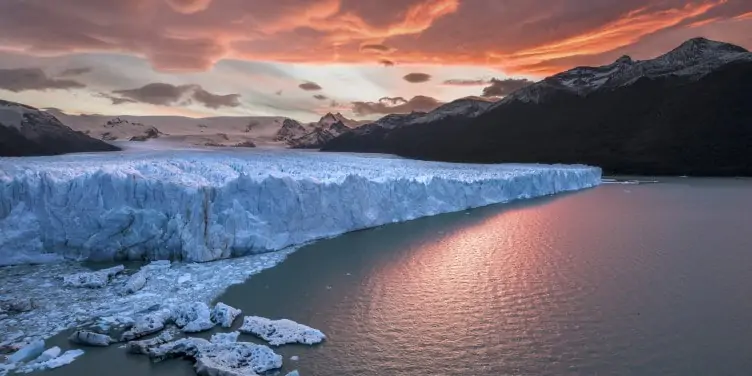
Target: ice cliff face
{"type": "Point", "coordinates": [202, 206]}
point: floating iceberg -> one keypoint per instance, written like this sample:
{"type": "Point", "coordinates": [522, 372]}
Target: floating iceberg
{"type": "Point", "coordinates": [203, 206]}
{"type": "Point", "coordinates": [280, 332]}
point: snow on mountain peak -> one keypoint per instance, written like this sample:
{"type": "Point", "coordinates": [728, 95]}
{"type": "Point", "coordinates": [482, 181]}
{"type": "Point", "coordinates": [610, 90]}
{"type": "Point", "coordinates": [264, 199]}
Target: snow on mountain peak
{"type": "Point", "coordinates": [693, 59]}
{"type": "Point", "coordinates": [16, 115]}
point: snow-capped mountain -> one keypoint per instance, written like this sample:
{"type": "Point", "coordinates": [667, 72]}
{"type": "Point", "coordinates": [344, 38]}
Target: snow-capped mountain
{"type": "Point", "coordinates": [323, 131]}
{"type": "Point", "coordinates": [368, 137]}
{"type": "Point", "coordinates": [26, 131]}
{"type": "Point", "coordinates": [693, 59]}
{"type": "Point", "coordinates": [327, 120]}
{"type": "Point", "coordinates": [290, 129]}
{"type": "Point", "coordinates": [686, 112]}
{"type": "Point", "coordinates": [122, 129]}
{"type": "Point", "coordinates": [469, 107]}
{"type": "Point", "coordinates": [313, 140]}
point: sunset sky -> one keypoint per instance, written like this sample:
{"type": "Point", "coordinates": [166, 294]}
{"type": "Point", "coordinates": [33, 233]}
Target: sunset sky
{"type": "Point", "coordinates": [303, 58]}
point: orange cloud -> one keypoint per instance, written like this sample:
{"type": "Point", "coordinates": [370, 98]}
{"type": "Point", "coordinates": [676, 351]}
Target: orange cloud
{"type": "Point", "coordinates": [621, 32]}
{"type": "Point", "coordinates": [526, 38]}
{"type": "Point", "coordinates": [745, 16]}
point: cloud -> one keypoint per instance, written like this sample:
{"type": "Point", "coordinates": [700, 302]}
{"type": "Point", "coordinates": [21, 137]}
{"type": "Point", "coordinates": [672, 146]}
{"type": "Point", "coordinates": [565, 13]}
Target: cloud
{"type": "Point", "coordinates": [396, 105]}
{"type": "Point", "coordinates": [74, 72]}
{"type": "Point", "coordinates": [215, 101]}
{"type": "Point", "coordinates": [188, 6]}
{"type": "Point", "coordinates": [386, 63]}
{"type": "Point", "coordinates": [500, 88]}
{"type": "Point", "coordinates": [465, 82]}
{"type": "Point", "coordinates": [23, 79]}
{"type": "Point", "coordinates": [193, 35]}
{"type": "Point", "coordinates": [115, 99]}
{"type": "Point", "coordinates": [321, 97]}
{"type": "Point", "coordinates": [162, 94]}
{"type": "Point", "coordinates": [310, 86]}
{"type": "Point", "coordinates": [417, 77]}
{"type": "Point", "coordinates": [375, 47]}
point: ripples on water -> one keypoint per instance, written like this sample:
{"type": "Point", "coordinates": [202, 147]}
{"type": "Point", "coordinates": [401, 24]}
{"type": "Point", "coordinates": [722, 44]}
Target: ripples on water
{"type": "Point", "coordinates": [642, 280]}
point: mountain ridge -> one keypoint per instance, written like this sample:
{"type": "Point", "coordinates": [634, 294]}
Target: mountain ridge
{"type": "Point", "coordinates": [687, 113]}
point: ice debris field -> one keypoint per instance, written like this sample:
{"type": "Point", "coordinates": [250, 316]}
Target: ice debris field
{"type": "Point", "coordinates": [204, 206]}
{"type": "Point", "coordinates": [244, 211]}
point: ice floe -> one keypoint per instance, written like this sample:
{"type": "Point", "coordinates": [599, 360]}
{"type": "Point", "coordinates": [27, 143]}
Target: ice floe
{"type": "Point", "coordinates": [192, 317]}
{"type": "Point", "coordinates": [135, 282]}
{"type": "Point", "coordinates": [87, 338]}
{"type": "Point", "coordinates": [224, 337]}
{"type": "Point", "coordinates": [148, 323]}
{"type": "Point", "coordinates": [220, 358]}
{"type": "Point", "coordinates": [96, 279]}
{"type": "Point", "coordinates": [280, 332]}
{"type": "Point", "coordinates": [142, 347]}
{"type": "Point", "coordinates": [102, 309]}
{"type": "Point", "coordinates": [224, 315]}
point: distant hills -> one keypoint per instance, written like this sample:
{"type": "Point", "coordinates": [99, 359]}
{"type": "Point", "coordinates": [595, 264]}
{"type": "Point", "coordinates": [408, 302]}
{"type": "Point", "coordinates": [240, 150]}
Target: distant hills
{"type": "Point", "coordinates": [687, 112]}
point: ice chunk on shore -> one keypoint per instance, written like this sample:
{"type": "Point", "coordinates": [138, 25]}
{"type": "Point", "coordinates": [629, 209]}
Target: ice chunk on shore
{"type": "Point", "coordinates": [96, 279]}
{"type": "Point", "coordinates": [224, 315]}
{"type": "Point", "coordinates": [280, 332]}
{"type": "Point", "coordinates": [202, 206]}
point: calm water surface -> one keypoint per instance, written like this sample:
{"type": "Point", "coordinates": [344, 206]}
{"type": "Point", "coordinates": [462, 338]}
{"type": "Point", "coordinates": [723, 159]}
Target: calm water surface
{"type": "Point", "coordinates": [618, 280]}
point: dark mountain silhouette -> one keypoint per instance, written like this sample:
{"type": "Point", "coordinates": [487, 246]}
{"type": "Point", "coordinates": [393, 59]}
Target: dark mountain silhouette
{"type": "Point", "coordinates": [688, 112]}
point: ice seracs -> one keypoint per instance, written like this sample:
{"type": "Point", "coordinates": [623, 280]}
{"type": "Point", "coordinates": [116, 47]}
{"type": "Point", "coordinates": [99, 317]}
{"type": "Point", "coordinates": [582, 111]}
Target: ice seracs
{"type": "Point", "coordinates": [200, 206]}
{"type": "Point", "coordinates": [280, 332]}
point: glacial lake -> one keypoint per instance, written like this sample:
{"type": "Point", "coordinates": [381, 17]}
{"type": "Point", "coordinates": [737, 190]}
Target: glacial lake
{"type": "Point", "coordinates": [650, 279]}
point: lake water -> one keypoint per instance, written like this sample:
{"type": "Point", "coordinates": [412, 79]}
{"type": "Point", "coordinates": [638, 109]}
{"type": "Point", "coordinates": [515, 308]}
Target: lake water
{"type": "Point", "coordinates": [651, 279]}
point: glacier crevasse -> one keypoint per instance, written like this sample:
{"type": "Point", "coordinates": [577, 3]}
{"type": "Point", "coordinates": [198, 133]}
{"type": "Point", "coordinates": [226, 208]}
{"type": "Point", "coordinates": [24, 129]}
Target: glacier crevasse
{"type": "Point", "coordinates": [201, 206]}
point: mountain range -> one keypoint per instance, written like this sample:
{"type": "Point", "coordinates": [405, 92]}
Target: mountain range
{"type": "Point", "coordinates": [687, 112]}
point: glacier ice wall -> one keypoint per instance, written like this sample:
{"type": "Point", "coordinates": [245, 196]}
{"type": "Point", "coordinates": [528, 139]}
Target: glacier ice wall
{"type": "Point", "coordinates": [200, 206]}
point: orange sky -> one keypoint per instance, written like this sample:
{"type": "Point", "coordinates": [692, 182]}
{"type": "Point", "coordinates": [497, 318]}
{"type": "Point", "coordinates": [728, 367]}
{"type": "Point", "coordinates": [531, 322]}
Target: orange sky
{"type": "Point", "coordinates": [127, 44]}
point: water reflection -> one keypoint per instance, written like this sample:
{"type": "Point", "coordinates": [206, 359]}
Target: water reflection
{"type": "Point", "coordinates": [599, 282]}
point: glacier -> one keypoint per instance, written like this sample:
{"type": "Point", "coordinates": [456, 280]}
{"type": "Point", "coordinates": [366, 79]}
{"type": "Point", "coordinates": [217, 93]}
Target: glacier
{"type": "Point", "coordinates": [199, 206]}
